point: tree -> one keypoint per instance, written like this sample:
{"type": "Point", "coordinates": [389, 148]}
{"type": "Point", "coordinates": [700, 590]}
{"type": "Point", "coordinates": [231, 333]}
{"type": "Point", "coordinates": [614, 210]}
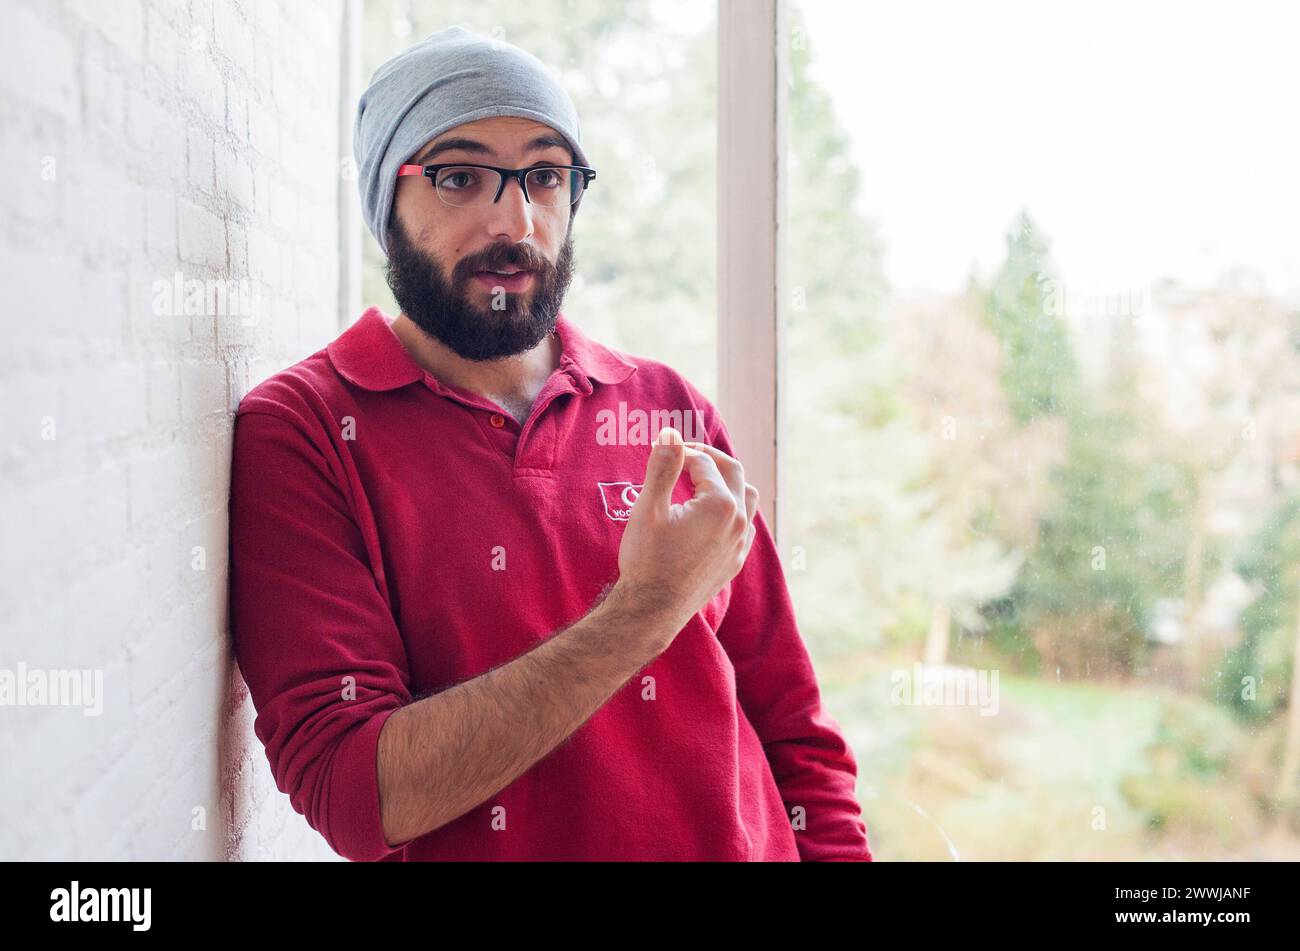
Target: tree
{"type": "Point", "coordinates": [1259, 671]}
{"type": "Point", "coordinates": [1084, 594]}
{"type": "Point", "coordinates": [1039, 374]}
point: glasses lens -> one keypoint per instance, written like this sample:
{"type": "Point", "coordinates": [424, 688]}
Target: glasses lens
{"type": "Point", "coordinates": [553, 186]}
{"type": "Point", "coordinates": [466, 185]}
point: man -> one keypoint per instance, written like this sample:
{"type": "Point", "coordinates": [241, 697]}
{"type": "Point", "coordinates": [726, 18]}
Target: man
{"type": "Point", "coordinates": [471, 628]}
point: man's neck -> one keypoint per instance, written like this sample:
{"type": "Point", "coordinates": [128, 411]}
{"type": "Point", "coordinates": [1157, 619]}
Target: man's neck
{"type": "Point", "coordinates": [516, 379]}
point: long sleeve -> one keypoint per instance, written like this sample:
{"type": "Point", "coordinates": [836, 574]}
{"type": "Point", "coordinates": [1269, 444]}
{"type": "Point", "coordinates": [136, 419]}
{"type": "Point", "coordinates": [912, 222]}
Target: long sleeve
{"type": "Point", "coordinates": [812, 763]}
{"type": "Point", "coordinates": [314, 637]}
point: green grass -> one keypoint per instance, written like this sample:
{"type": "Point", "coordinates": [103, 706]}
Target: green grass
{"type": "Point", "coordinates": [1036, 780]}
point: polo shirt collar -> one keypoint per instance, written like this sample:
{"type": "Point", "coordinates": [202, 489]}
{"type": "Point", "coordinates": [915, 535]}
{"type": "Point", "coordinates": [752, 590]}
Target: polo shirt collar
{"type": "Point", "coordinates": [368, 354]}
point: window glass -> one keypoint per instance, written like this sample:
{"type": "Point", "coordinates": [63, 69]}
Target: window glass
{"type": "Point", "coordinates": [1043, 393]}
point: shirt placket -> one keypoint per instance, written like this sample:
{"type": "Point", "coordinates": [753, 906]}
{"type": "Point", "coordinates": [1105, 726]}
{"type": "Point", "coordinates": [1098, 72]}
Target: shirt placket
{"type": "Point", "coordinates": [531, 446]}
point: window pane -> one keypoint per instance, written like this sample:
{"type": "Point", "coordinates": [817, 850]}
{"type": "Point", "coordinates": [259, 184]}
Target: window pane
{"type": "Point", "coordinates": [1044, 382]}
{"type": "Point", "coordinates": [643, 77]}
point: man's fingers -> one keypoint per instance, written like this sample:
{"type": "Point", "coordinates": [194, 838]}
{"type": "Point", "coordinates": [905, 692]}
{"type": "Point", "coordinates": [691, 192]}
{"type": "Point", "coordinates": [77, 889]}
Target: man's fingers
{"type": "Point", "coordinates": [731, 470]}
{"type": "Point", "coordinates": [704, 474]}
{"type": "Point", "coordinates": [663, 469]}
{"type": "Point", "coordinates": [751, 509]}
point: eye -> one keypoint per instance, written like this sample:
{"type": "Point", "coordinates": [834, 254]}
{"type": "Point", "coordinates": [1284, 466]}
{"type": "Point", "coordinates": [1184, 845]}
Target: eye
{"type": "Point", "coordinates": [449, 177]}
{"type": "Point", "coordinates": [548, 178]}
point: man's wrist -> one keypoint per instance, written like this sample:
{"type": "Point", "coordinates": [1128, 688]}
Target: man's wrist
{"type": "Point", "coordinates": [646, 614]}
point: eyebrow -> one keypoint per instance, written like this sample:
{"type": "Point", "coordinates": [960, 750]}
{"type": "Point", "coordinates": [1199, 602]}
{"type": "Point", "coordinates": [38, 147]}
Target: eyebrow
{"type": "Point", "coordinates": [544, 141]}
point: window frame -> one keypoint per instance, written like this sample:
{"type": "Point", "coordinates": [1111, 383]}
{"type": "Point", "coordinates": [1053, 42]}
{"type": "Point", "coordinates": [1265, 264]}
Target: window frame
{"type": "Point", "coordinates": [753, 66]}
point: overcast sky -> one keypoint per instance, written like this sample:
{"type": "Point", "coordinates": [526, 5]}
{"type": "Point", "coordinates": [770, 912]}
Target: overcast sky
{"type": "Point", "coordinates": [1148, 139]}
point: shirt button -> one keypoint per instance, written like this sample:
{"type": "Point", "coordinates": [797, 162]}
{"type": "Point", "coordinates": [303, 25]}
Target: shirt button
{"type": "Point", "coordinates": [497, 420]}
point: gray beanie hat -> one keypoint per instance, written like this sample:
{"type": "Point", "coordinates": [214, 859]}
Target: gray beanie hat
{"type": "Point", "coordinates": [449, 78]}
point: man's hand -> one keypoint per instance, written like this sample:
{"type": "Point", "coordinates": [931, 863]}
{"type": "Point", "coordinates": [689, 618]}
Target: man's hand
{"type": "Point", "coordinates": [675, 557]}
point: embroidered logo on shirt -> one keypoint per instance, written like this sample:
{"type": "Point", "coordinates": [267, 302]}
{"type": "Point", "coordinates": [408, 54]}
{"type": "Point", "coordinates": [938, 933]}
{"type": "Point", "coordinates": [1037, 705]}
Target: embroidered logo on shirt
{"type": "Point", "coordinates": [619, 498]}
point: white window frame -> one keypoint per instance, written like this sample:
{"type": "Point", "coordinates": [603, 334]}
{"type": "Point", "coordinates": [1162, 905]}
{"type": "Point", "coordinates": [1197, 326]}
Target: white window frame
{"type": "Point", "coordinates": [752, 73]}
{"type": "Point", "coordinates": [350, 89]}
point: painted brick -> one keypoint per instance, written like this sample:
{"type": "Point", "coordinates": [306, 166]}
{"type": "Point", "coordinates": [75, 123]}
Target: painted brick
{"type": "Point", "coordinates": [145, 139]}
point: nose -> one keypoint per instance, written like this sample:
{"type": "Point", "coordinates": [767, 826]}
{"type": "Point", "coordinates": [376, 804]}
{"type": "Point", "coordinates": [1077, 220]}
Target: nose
{"type": "Point", "coordinates": [510, 218]}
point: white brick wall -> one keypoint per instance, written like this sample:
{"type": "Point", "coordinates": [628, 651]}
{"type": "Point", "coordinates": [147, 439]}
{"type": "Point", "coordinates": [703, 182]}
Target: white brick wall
{"type": "Point", "coordinates": [140, 139]}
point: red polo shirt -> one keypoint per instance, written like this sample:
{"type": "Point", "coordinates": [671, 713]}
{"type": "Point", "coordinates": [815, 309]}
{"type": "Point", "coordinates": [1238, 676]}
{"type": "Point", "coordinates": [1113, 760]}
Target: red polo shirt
{"type": "Point", "coordinates": [392, 536]}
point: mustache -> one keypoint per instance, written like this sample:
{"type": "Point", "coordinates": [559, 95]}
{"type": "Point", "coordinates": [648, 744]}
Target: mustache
{"type": "Point", "coordinates": [502, 257]}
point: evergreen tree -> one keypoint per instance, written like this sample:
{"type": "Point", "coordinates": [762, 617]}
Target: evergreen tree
{"type": "Point", "coordinates": [1271, 561]}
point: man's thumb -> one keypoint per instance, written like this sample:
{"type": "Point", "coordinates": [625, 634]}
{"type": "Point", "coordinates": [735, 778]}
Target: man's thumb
{"type": "Point", "coordinates": [664, 467]}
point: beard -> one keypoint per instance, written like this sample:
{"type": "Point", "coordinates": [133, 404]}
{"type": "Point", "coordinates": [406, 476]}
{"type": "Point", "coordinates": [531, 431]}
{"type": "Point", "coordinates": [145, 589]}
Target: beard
{"type": "Point", "coordinates": [447, 309]}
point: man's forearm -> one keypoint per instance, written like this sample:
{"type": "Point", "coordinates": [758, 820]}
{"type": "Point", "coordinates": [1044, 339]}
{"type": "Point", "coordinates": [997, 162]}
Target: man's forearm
{"type": "Point", "coordinates": [441, 756]}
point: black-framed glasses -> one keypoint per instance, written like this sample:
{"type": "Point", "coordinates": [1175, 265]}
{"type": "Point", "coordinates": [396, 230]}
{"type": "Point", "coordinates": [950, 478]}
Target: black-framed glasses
{"type": "Point", "coordinates": [464, 184]}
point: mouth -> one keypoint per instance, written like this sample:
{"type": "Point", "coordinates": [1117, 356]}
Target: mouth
{"type": "Point", "coordinates": [508, 279]}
